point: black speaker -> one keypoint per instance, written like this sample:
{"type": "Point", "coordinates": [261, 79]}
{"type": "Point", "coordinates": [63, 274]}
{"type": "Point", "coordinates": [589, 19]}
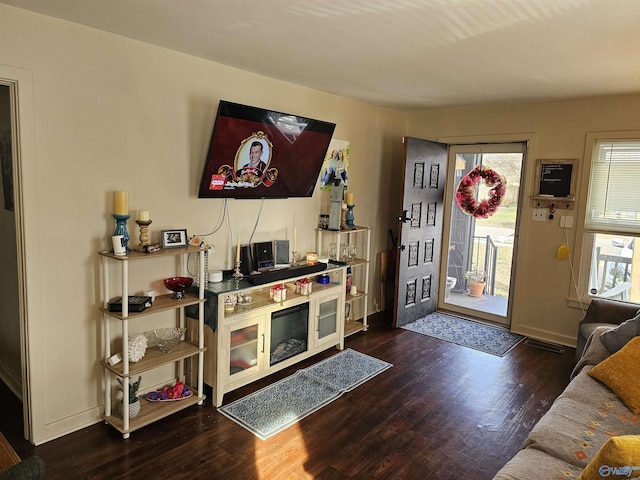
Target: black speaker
{"type": "Point", "coordinates": [263, 254]}
{"type": "Point", "coordinates": [247, 265]}
{"type": "Point", "coordinates": [281, 252]}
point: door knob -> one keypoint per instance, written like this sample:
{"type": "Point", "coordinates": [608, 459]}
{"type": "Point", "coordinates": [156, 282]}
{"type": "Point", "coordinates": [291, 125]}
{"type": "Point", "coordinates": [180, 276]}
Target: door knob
{"type": "Point", "coordinates": [404, 218]}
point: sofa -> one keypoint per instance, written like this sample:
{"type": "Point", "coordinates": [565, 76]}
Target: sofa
{"type": "Point", "coordinates": [592, 430]}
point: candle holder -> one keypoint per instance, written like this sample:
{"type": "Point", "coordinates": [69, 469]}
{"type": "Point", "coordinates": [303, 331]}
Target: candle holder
{"type": "Point", "coordinates": [237, 274]}
{"type": "Point", "coordinates": [294, 257]}
{"type": "Point", "coordinates": [343, 220]}
{"type": "Point", "coordinates": [144, 233]}
{"type": "Point", "coordinates": [121, 228]}
{"type": "Point", "coordinates": [350, 218]}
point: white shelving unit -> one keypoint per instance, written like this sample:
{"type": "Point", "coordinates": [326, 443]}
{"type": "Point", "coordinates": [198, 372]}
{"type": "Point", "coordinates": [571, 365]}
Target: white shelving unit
{"type": "Point", "coordinates": [154, 357]}
{"type": "Point", "coordinates": [361, 238]}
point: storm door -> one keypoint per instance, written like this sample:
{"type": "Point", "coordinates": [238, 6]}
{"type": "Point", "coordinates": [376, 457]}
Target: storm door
{"type": "Point", "coordinates": [481, 242]}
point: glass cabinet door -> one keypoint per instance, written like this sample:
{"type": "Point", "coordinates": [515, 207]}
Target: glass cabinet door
{"type": "Point", "coordinates": [246, 347]}
{"type": "Point", "coordinates": [327, 318]}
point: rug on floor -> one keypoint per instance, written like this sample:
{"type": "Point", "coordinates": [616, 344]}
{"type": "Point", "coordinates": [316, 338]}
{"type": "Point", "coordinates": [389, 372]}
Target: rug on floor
{"type": "Point", "coordinates": [279, 405]}
{"type": "Point", "coordinates": [468, 333]}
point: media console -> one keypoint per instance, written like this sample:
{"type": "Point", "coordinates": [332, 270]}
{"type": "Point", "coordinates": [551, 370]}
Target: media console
{"type": "Point", "coordinates": [256, 338]}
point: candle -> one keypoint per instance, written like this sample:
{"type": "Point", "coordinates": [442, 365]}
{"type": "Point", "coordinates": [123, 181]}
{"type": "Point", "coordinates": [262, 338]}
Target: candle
{"type": "Point", "coordinates": [350, 199]}
{"type": "Point", "coordinates": [238, 251]}
{"type": "Point", "coordinates": [143, 215]}
{"type": "Point", "coordinates": [294, 240]}
{"type": "Point", "coordinates": [121, 203]}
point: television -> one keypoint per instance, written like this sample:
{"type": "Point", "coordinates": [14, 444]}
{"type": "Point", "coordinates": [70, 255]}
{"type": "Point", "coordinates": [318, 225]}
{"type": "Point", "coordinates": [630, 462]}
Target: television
{"type": "Point", "coordinates": [259, 153]}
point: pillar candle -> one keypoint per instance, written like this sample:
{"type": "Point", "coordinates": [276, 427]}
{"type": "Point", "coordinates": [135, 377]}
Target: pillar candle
{"type": "Point", "coordinates": [121, 203]}
{"type": "Point", "coordinates": [350, 199]}
{"type": "Point", "coordinates": [238, 251]}
{"type": "Point", "coordinates": [143, 215]}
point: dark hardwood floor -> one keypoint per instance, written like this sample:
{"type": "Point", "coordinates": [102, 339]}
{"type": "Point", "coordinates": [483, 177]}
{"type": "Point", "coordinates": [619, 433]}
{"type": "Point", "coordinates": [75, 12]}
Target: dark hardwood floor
{"type": "Point", "coordinates": [441, 412]}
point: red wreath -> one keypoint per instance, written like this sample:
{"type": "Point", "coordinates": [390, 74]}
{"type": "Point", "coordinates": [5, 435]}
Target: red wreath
{"type": "Point", "coordinates": [465, 195]}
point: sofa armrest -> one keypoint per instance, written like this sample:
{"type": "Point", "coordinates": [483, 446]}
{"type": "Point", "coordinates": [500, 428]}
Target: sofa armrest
{"type": "Point", "coordinates": [603, 310]}
{"type": "Point", "coordinates": [31, 468]}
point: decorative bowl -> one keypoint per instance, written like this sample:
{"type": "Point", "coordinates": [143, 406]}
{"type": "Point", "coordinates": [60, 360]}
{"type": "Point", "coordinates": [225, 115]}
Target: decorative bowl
{"type": "Point", "coordinates": [178, 285]}
{"type": "Point", "coordinates": [165, 338]}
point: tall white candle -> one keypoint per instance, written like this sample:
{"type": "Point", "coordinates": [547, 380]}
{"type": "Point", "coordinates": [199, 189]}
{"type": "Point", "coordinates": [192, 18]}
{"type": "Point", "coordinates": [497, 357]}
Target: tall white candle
{"type": "Point", "coordinates": [238, 251]}
{"type": "Point", "coordinates": [295, 249]}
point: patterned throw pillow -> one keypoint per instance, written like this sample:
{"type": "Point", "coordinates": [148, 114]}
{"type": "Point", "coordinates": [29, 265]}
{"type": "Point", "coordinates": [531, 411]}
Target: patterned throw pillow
{"type": "Point", "coordinates": [618, 337]}
{"type": "Point", "coordinates": [619, 457]}
{"type": "Point", "coordinates": [619, 372]}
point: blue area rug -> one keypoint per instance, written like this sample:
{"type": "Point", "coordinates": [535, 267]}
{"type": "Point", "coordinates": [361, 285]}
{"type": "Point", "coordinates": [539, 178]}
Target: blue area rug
{"type": "Point", "coordinates": [278, 406]}
{"type": "Point", "coordinates": [486, 338]}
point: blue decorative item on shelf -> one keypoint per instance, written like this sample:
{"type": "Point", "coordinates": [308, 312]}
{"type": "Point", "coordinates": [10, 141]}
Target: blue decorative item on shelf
{"type": "Point", "coordinates": [350, 218]}
{"type": "Point", "coordinates": [121, 228]}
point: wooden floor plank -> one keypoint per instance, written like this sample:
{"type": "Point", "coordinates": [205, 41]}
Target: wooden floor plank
{"type": "Point", "coordinates": [441, 412]}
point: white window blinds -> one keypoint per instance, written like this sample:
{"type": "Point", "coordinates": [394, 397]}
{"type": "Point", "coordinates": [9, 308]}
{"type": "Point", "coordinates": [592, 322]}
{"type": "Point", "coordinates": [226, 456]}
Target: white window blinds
{"type": "Point", "coordinates": [614, 190]}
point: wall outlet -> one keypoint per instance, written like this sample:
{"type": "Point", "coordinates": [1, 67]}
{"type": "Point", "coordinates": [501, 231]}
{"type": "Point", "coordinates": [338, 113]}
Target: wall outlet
{"type": "Point", "coordinates": [566, 221]}
{"type": "Point", "coordinates": [539, 214]}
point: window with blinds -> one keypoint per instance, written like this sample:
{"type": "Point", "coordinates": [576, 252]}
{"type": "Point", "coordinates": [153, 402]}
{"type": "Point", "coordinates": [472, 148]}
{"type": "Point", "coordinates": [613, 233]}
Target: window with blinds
{"type": "Point", "coordinates": [614, 196]}
{"type": "Point", "coordinates": [612, 221]}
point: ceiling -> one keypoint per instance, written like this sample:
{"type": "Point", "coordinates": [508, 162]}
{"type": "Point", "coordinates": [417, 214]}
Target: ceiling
{"type": "Point", "coordinates": [394, 53]}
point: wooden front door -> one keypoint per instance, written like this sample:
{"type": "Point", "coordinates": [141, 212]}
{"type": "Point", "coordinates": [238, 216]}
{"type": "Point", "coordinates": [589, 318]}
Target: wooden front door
{"type": "Point", "coordinates": [420, 229]}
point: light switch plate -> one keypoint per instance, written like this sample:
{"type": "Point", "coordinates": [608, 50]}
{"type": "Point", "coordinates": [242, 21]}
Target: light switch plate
{"type": "Point", "coordinates": [566, 221]}
{"type": "Point", "coordinates": [539, 214]}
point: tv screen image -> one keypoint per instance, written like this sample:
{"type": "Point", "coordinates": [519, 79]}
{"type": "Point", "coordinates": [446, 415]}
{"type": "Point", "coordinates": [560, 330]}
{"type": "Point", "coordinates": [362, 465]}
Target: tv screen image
{"type": "Point", "coordinates": [259, 153]}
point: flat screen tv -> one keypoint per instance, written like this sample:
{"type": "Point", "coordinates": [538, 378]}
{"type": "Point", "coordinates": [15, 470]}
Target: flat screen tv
{"type": "Point", "coordinates": [258, 153]}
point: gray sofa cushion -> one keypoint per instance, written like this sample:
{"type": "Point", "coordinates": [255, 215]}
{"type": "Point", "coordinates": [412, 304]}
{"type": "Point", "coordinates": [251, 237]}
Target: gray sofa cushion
{"type": "Point", "coordinates": [532, 464]}
{"type": "Point", "coordinates": [594, 350]}
{"type": "Point", "coordinates": [618, 337]}
{"type": "Point", "coordinates": [581, 420]}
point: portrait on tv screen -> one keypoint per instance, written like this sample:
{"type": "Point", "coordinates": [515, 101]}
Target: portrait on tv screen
{"type": "Point", "coordinates": [257, 153]}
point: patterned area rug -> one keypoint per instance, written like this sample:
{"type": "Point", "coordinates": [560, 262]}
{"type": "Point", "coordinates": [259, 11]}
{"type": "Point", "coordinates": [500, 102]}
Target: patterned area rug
{"type": "Point", "coordinates": [494, 340]}
{"type": "Point", "coordinates": [278, 406]}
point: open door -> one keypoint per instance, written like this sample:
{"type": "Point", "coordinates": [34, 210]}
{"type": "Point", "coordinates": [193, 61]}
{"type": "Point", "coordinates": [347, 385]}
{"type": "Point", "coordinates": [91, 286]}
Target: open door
{"type": "Point", "coordinates": [420, 229]}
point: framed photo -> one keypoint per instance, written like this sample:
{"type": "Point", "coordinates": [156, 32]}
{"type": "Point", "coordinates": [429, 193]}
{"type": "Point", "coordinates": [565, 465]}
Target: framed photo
{"type": "Point", "coordinates": [174, 238]}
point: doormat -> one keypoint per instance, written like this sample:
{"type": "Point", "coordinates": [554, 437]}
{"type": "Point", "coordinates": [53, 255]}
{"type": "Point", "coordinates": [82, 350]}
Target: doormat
{"type": "Point", "coordinates": [485, 338]}
{"type": "Point", "coordinates": [278, 406]}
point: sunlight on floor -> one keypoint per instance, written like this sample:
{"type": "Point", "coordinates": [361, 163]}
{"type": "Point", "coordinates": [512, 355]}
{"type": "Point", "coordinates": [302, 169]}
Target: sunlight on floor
{"type": "Point", "coordinates": [270, 466]}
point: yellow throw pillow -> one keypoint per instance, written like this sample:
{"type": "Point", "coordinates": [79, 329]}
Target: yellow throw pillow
{"type": "Point", "coordinates": [619, 372]}
{"type": "Point", "coordinates": [619, 457]}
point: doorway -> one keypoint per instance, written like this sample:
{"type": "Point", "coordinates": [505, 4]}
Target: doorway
{"type": "Point", "coordinates": [477, 276]}
{"type": "Point", "coordinates": [10, 343]}
{"type": "Point", "coordinates": [16, 125]}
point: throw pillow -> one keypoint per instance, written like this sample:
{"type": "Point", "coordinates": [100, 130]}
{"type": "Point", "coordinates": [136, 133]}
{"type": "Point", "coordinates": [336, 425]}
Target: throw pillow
{"type": "Point", "coordinates": [619, 372]}
{"type": "Point", "coordinates": [619, 457]}
{"type": "Point", "coordinates": [618, 337]}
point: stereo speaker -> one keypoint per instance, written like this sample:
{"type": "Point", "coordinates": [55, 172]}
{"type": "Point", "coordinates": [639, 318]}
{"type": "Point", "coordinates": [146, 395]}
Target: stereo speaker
{"type": "Point", "coordinates": [263, 254]}
{"type": "Point", "coordinates": [281, 253]}
{"type": "Point", "coordinates": [247, 265]}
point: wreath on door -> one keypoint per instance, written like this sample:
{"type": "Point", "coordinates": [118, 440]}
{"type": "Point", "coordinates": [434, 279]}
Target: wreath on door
{"type": "Point", "coordinates": [465, 194]}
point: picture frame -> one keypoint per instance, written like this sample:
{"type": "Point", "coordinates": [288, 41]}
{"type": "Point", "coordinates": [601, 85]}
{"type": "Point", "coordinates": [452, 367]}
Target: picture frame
{"type": "Point", "coordinates": [174, 238]}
